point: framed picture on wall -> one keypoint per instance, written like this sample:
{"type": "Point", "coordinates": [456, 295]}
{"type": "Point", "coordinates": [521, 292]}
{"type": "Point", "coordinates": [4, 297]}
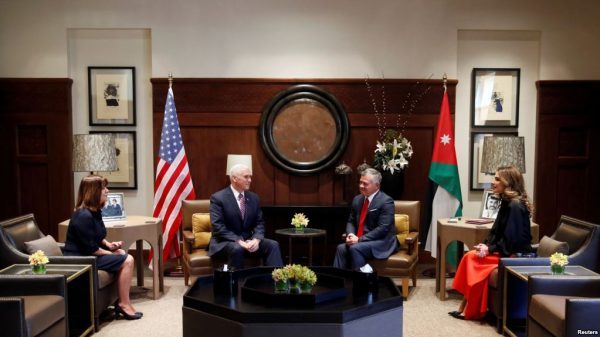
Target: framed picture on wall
{"type": "Point", "coordinates": [495, 97]}
{"type": "Point", "coordinates": [479, 181]}
{"type": "Point", "coordinates": [126, 176]}
{"type": "Point", "coordinates": [111, 95]}
{"type": "Point", "coordinates": [114, 209]}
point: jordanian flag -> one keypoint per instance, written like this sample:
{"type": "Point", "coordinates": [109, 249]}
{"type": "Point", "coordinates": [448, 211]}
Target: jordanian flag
{"type": "Point", "coordinates": [444, 180]}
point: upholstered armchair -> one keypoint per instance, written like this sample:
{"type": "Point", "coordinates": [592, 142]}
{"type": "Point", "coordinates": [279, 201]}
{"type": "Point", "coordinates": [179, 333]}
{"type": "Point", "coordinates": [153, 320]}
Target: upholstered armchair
{"type": "Point", "coordinates": [583, 239]}
{"type": "Point", "coordinates": [403, 264]}
{"type": "Point", "coordinates": [33, 305]}
{"type": "Point", "coordinates": [563, 306]}
{"type": "Point", "coordinates": [197, 231]}
{"type": "Point", "coordinates": [15, 232]}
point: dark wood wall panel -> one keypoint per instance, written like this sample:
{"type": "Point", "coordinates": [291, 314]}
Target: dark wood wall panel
{"type": "Point", "coordinates": [35, 133]}
{"type": "Point", "coordinates": [567, 152]}
{"type": "Point", "coordinates": [221, 116]}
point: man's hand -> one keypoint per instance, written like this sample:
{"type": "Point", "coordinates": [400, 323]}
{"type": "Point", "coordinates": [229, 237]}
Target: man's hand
{"type": "Point", "coordinates": [243, 243]}
{"type": "Point", "coordinates": [113, 246]}
{"type": "Point", "coordinates": [351, 239]}
{"type": "Point", "coordinates": [252, 245]}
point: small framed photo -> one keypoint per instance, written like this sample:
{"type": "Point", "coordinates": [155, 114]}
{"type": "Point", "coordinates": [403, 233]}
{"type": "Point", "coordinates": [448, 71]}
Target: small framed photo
{"type": "Point", "coordinates": [114, 209]}
{"type": "Point", "coordinates": [479, 181]}
{"type": "Point", "coordinates": [490, 205]}
{"type": "Point", "coordinates": [111, 95]}
{"type": "Point", "coordinates": [125, 177]}
{"type": "Point", "coordinates": [495, 97]}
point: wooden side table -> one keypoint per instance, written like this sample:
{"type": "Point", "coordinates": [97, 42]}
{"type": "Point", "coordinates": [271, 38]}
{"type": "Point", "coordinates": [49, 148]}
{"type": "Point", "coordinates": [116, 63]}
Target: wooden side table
{"type": "Point", "coordinates": [79, 293]}
{"type": "Point", "coordinates": [308, 233]}
{"type": "Point", "coordinates": [135, 228]}
{"type": "Point", "coordinates": [468, 234]}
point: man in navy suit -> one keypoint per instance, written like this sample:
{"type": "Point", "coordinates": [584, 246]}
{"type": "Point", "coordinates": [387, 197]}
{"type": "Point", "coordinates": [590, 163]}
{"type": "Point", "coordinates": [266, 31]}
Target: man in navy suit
{"type": "Point", "coordinates": [370, 231]}
{"type": "Point", "coordinates": [238, 228]}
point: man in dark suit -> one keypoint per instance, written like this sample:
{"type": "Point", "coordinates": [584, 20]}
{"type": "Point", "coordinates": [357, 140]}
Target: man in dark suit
{"type": "Point", "coordinates": [238, 228]}
{"type": "Point", "coordinates": [370, 231]}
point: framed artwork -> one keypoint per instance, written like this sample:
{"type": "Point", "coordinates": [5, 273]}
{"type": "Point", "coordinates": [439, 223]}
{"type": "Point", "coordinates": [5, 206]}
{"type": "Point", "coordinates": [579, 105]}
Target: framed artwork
{"type": "Point", "coordinates": [479, 181]}
{"type": "Point", "coordinates": [111, 95]}
{"type": "Point", "coordinates": [126, 176]}
{"type": "Point", "coordinates": [304, 129]}
{"type": "Point", "coordinates": [114, 209]}
{"type": "Point", "coordinates": [490, 204]}
{"type": "Point", "coordinates": [495, 97]}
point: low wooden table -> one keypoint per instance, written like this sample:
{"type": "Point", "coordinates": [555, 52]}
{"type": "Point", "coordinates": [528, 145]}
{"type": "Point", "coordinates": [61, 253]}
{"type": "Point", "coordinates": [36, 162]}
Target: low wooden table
{"type": "Point", "coordinates": [514, 309]}
{"type": "Point", "coordinates": [79, 293]}
{"type": "Point", "coordinates": [468, 234]}
{"type": "Point", "coordinates": [308, 233]}
{"type": "Point", "coordinates": [135, 228]}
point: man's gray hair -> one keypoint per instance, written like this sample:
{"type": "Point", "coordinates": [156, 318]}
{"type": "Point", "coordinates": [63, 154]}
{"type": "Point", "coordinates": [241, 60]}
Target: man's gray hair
{"type": "Point", "coordinates": [373, 173]}
{"type": "Point", "coordinates": [237, 169]}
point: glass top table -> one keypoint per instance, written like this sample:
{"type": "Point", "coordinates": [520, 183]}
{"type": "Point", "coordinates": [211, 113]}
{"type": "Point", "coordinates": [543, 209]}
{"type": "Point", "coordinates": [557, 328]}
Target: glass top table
{"type": "Point", "coordinates": [307, 233]}
{"type": "Point", "coordinates": [71, 271]}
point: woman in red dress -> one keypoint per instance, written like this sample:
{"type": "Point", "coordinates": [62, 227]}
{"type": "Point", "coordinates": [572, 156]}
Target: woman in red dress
{"type": "Point", "coordinates": [510, 234]}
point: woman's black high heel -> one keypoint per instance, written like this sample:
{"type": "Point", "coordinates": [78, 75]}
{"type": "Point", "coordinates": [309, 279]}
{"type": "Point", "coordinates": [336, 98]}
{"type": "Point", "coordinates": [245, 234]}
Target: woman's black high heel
{"type": "Point", "coordinates": [119, 311]}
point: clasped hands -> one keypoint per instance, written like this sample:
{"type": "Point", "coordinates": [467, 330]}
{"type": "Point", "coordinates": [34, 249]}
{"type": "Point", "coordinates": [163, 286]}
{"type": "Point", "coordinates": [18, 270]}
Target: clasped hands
{"type": "Point", "coordinates": [116, 247]}
{"type": "Point", "coordinates": [351, 239]}
{"type": "Point", "coordinates": [249, 245]}
{"type": "Point", "coordinates": [481, 250]}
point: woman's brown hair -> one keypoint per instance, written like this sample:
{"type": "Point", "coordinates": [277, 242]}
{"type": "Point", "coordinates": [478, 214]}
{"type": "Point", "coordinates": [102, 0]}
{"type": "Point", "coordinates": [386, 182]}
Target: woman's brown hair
{"type": "Point", "coordinates": [90, 192]}
{"type": "Point", "coordinates": [514, 186]}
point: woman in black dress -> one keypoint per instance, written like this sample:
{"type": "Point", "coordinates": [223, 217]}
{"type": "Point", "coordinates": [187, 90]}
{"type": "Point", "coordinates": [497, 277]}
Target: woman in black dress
{"type": "Point", "coordinates": [87, 236]}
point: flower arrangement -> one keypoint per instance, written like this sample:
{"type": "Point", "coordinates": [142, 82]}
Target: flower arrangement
{"type": "Point", "coordinates": [38, 262]}
{"type": "Point", "coordinates": [300, 221]}
{"type": "Point", "coordinates": [38, 258]}
{"type": "Point", "coordinates": [296, 277]}
{"type": "Point", "coordinates": [393, 152]}
{"type": "Point", "coordinates": [558, 261]}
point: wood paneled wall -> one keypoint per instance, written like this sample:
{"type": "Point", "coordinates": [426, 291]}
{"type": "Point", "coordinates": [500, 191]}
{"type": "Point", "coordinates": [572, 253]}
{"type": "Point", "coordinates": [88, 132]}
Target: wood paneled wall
{"type": "Point", "coordinates": [35, 138]}
{"type": "Point", "coordinates": [567, 152]}
{"type": "Point", "coordinates": [221, 116]}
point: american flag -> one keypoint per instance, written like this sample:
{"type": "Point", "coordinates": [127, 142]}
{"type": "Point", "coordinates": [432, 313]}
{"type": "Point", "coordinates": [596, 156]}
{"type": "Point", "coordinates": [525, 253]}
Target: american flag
{"type": "Point", "coordinates": [173, 181]}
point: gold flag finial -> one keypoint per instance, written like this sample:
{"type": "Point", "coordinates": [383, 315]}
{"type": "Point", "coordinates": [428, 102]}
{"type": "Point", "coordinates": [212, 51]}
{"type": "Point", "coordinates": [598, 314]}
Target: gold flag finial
{"type": "Point", "coordinates": [170, 80]}
{"type": "Point", "coordinates": [445, 81]}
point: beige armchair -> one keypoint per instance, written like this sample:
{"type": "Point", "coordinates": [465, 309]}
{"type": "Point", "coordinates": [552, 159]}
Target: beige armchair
{"type": "Point", "coordinates": [403, 264]}
{"type": "Point", "coordinates": [196, 261]}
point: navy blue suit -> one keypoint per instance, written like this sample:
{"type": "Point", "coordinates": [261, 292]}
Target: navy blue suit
{"type": "Point", "coordinates": [379, 237]}
{"type": "Point", "coordinates": [228, 227]}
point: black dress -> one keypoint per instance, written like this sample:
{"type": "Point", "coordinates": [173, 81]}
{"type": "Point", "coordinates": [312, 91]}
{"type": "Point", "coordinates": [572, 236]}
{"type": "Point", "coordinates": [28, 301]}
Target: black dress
{"type": "Point", "coordinates": [84, 237]}
{"type": "Point", "coordinates": [511, 232]}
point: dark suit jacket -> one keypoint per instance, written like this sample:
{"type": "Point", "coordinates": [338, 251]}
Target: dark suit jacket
{"type": "Point", "coordinates": [379, 227]}
{"type": "Point", "coordinates": [227, 223]}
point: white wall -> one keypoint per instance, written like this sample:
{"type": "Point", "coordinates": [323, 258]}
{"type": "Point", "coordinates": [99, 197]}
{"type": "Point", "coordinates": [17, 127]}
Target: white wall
{"type": "Point", "coordinates": [290, 38]}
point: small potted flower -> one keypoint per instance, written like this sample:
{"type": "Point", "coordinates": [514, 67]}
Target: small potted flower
{"type": "Point", "coordinates": [38, 262]}
{"type": "Point", "coordinates": [300, 222]}
{"type": "Point", "coordinates": [558, 261]}
{"type": "Point", "coordinates": [307, 280]}
{"type": "Point", "coordinates": [281, 280]}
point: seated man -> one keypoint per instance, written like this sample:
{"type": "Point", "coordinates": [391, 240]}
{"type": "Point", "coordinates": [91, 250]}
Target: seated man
{"type": "Point", "coordinates": [370, 231]}
{"type": "Point", "coordinates": [238, 228]}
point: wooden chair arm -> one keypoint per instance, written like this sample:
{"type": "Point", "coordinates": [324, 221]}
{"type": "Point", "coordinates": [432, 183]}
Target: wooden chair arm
{"type": "Point", "coordinates": [412, 241]}
{"type": "Point", "coordinates": [188, 240]}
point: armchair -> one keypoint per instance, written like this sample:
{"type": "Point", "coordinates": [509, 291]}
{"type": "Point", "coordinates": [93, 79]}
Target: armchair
{"type": "Point", "coordinates": [195, 254]}
{"type": "Point", "coordinates": [16, 231]}
{"type": "Point", "coordinates": [563, 306]}
{"type": "Point", "coordinates": [584, 250]}
{"type": "Point", "coordinates": [403, 264]}
{"type": "Point", "coordinates": [33, 305]}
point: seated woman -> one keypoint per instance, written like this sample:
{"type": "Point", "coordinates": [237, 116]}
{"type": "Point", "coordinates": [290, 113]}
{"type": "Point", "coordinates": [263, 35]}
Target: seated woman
{"type": "Point", "coordinates": [510, 234]}
{"type": "Point", "coordinates": [86, 235]}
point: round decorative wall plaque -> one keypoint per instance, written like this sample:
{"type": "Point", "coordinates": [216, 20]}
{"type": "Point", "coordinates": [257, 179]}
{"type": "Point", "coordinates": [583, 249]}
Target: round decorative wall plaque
{"type": "Point", "coordinates": [304, 129]}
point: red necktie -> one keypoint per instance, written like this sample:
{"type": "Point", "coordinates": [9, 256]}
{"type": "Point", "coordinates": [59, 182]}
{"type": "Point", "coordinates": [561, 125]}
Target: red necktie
{"type": "Point", "coordinates": [363, 216]}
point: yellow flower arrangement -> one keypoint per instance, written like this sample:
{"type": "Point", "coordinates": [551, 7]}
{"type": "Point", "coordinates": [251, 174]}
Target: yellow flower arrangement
{"type": "Point", "coordinates": [300, 221]}
{"type": "Point", "coordinates": [38, 258]}
{"type": "Point", "coordinates": [298, 277]}
{"type": "Point", "coordinates": [559, 259]}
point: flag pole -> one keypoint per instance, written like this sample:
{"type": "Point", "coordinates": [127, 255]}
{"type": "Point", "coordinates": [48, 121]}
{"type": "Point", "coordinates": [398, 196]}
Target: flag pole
{"type": "Point", "coordinates": [177, 270]}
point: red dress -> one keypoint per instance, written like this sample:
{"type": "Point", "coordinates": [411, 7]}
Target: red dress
{"type": "Point", "coordinates": [511, 233]}
{"type": "Point", "coordinates": [471, 280]}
